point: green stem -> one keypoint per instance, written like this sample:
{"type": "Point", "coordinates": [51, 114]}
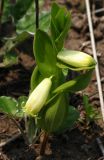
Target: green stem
{"type": "Point", "coordinates": [21, 130]}
{"type": "Point", "coordinates": [43, 145]}
{"type": "Point", "coordinates": [37, 13]}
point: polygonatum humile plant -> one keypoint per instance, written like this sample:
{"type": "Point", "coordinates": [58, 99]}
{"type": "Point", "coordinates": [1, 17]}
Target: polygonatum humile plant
{"type": "Point", "coordinates": [48, 106]}
{"type": "Point", "coordinates": [53, 59]}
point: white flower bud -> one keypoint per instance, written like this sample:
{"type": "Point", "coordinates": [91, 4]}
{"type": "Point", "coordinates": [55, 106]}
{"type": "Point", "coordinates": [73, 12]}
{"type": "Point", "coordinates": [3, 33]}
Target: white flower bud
{"type": "Point", "coordinates": [38, 97]}
{"type": "Point", "coordinates": [76, 59]}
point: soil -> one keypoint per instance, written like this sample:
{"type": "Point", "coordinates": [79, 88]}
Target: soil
{"type": "Point", "coordinates": [79, 143]}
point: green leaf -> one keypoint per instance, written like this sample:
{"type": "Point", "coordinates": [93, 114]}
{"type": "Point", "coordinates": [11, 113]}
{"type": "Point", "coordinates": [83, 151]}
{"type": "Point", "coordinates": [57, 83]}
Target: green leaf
{"type": "Point", "coordinates": [8, 105]}
{"type": "Point", "coordinates": [54, 30]}
{"type": "Point", "coordinates": [77, 84]}
{"type": "Point", "coordinates": [12, 107]}
{"type": "Point", "coordinates": [27, 23]}
{"type": "Point", "coordinates": [60, 40]}
{"type": "Point", "coordinates": [18, 9]}
{"type": "Point", "coordinates": [51, 118]}
{"type": "Point", "coordinates": [71, 117]}
{"type": "Point", "coordinates": [54, 10]}
{"type": "Point", "coordinates": [60, 24]}
{"type": "Point", "coordinates": [22, 7]}
{"type": "Point", "coordinates": [45, 54]}
{"type": "Point", "coordinates": [36, 78]}
{"type": "Point", "coordinates": [60, 19]}
{"type": "Point", "coordinates": [12, 8]}
{"type": "Point", "coordinates": [44, 21]}
{"type": "Point", "coordinates": [57, 20]}
{"type": "Point", "coordinates": [75, 60]}
{"type": "Point", "coordinates": [57, 23]}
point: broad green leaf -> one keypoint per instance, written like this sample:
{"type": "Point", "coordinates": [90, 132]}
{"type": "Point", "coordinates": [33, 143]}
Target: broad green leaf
{"type": "Point", "coordinates": [75, 60]}
{"type": "Point", "coordinates": [45, 54]}
{"type": "Point", "coordinates": [28, 22]}
{"type": "Point", "coordinates": [58, 79]}
{"type": "Point", "coordinates": [60, 19]}
{"type": "Point", "coordinates": [12, 8]}
{"type": "Point", "coordinates": [12, 107]}
{"type": "Point", "coordinates": [36, 78]}
{"type": "Point", "coordinates": [60, 40]}
{"type": "Point", "coordinates": [44, 20]}
{"type": "Point", "coordinates": [60, 24]}
{"type": "Point", "coordinates": [71, 117]}
{"type": "Point", "coordinates": [54, 31]}
{"type": "Point", "coordinates": [57, 23]}
{"type": "Point", "coordinates": [77, 84]}
{"type": "Point", "coordinates": [54, 10]}
{"type": "Point", "coordinates": [51, 118]}
{"type": "Point", "coordinates": [8, 105]}
{"type": "Point", "coordinates": [20, 8]}
{"type": "Point", "coordinates": [56, 18]}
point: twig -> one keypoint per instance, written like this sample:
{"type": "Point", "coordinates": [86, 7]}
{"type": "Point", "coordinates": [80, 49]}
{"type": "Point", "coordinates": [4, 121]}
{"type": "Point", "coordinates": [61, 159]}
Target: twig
{"type": "Point", "coordinates": [10, 140]}
{"type": "Point", "coordinates": [99, 10]}
{"type": "Point", "coordinates": [101, 146]}
{"type": "Point", "coordinates": [92, 95]}
{"type": "Point", "coordinates": [101, 158]}
{"type": "Point", "coordinates": [37, 13]}
{"type": "Point", "coordinates": [98, 54]}
{"type": "Point", "coordinates": [102, 80]}
{"type": "Point", "coordinates": [85, 44]}
{"type": "Point", "coordinates": [35, 139]}
{"type": "Point", "coordinates": [43, 145]}
{"type": "Point", "coordinates": [95, 56]}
